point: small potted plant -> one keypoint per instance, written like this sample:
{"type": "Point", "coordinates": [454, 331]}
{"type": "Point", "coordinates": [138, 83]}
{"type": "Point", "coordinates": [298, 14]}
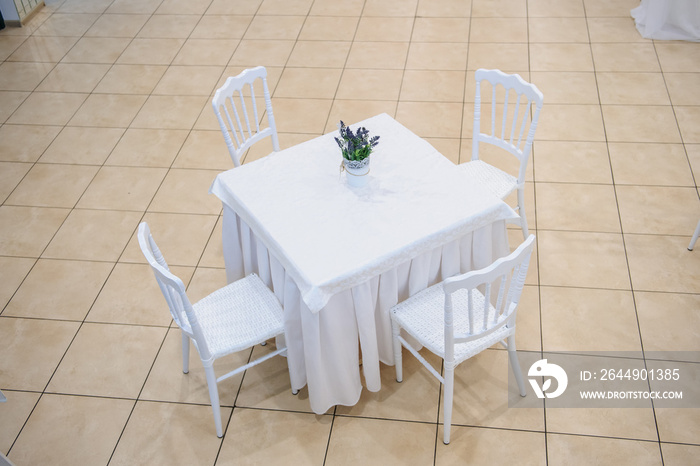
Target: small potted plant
{"type": "Point", "coordinates": [356, 149]}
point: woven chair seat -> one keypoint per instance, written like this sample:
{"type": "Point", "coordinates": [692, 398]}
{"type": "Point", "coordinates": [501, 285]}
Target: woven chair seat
{"type": "Point", "coordinates": [495, 180]}
{"type": "Point", "coordinates": [423, 316]}
{"type": "Point", "coordinates": [239, 315]}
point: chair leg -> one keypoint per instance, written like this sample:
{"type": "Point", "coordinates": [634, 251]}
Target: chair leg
{"type": "Point", "coordinates": [185, 352]}
{"type": "Point", "coordinates": [398, 363]}
{"type": "Point", "coordinates": [695, 237]}
{"type": "Point", "coordinates": [449, 393]}
{"type": "Point", "coordinates": [521, 211]}
{"type": "Point", "coordinates": [214, 397]}
{"type": "Point", "coordinates": [515, 365]}
{"type": "Point", "coordinates": [289, 369]}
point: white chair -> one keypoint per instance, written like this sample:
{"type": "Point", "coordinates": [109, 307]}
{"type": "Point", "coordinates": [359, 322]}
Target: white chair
{"type": "Point", "coordinates": [2, 397]}
{"type": "Point", "coordinates": [234, 318]}
{"type": "Point", "coordinates": [454, 320]}
{"type": "Point", "coordinates": [695, 237]}
{"type": "Point", "coordinates": [514, 133]}
{"type": "Point", "coordinates": [241, 126]}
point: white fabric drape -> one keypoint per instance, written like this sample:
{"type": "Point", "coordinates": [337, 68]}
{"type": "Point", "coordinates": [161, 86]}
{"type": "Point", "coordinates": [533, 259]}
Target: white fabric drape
{"type": "Point", "coordinates": [668, 19]}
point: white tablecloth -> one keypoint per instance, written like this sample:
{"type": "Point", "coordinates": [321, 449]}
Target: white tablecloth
{"type": "Point", "coordinates": [339, 258]}
{"type": "Point", "coordinates": [668, 19]}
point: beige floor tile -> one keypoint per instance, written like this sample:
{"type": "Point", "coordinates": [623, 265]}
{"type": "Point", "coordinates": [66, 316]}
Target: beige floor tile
{"type": "Point", "coordinates": [557, 86]}
{"type": "Point", "coordinates": [574, 450]}
{"type": "Point", "coordinates": [613, 30]}
{"type": "Point", "coordinates": [354, 440]}
{"type": "Point", "coordinates": [486, 446]}
{"type": "Point", "coordinates": [579, 207]}
{"type": "Point", "coordinates": [9, 101]}
{"type": "Point", "coordinates": [59, 290]}
{"type": "Point", "coordinates": [267, 385]}
{"type": "Point", "coordinates": [151, 51]}
{"type": "Point", "coordinates": [25, 143]}
{"type": "Point", "coordinates": [205, 281]}
{"type": "Point", "coordinates": [333, 8]}
{"type": "Point", "coordinates": [693, 151]}
{"type": "Point", "coordinates": [297, 437]}
{"type": "Point", "coordinates": [14, 414]}
{"type": "Point", "coordinates": [528, 336]}
{"type": "Point", "coordinates": [234, 7]}
{"type": "Point", "coordinates": [630, 423]}
{"type": "Point", "coordinates": [658, 210]}
{"type": "Point", "coordinates": [683, 88]}
{"type": "Point", "coordinates": [662, 263]}
{"type": "Point", "coordinates": [147, 440]}
{"type": "Point", "coordinates": [445, 86]}
{"type": "Point", "coordinates": [93, 235]}
{"type": "Point", "coordinates": [373, 55]}
{"type": "Point", "coordinates": [285, 7]}
{"type": "Point", "coordinates": [357, 110]}
{"type": "Point", "coordinates": [287, 113]}
{"type": "Point", "coordinates": [147, 148]}
{"type": "Point", "coordinates": [369, 84]}
{"type": "Point", "coordinates": [253, 52]}
{"type": "Point", "coordinates": [603, 8]}
{"type": "Point", "coordinates": [555, 123]}
{"type": "Point", "coordinates": [206, 52]}
{"type": "Point", "coordinates": [48, 108]}
{"type": "Point", "coordinates": [131, 296]}
{"type": "Point", "coordinates": [189, 80]}
{"type": "Point", "coordinates": [108, 110]}
{"type": "Point", "coordinates": [320, 54]}
{"type": "Point", "coordinates": [308, 83]}
{"type": "Point", "coordinates": [25, 231]}
{"type": "Point", "coordinates": [494, 30]}
{"type": "Point", "coordinates": [677, 425]}
{"type": "Point", "coordinates": [650, 164]}
{"type": "Point", "coordinates": [675, 454]}
{"type": "Point", "coordinates": [580, 319]}
{"type": "Point", "coordinates": [632, 88]}
{"type": "Point", "coordinates": [12, 273]}
{"type": "Point", "coordinates": [186, 192]}
{"type": "Point", "coordinates": [169, 112]}
{"type": "Point", "coordinates": [168, 27]}
{"type": "Point", "coordinates": [204, 149]}
{"type": "Point", "coordinates": [275, 27]}
{"type": "Point", "coordinates": [45, 439]}
{"type": "Point", "coordinates": [221, 26]}
{"type": "Point", "coordinates": [389, 7]}
{"type": "Point", "coordinates": [429, 119]}
{"type": "Point", "coordinates": [384, 29]}
{"type": "Point", "coordinates": [641, 123]}
{"type": "Point", "coordinates": [43, 49]}
{"type": "Point", "coordinates": [483, 397]}
{"type": "Point", "coordinates": [131, 79]}
{"type": "Point", "coordinates": [582, 259]}
{"type": "Point", "coordinates": [43, 187]}
{"type": "Point", "coordinates": [66, 25]}
{"type": "Point", "coordinates": [73, 77]}
{"type": "Point", "coordinates": [437, 56]}
{"type": "Point", "coordinates": [554, 8]}
{"type": "Point", "coordinates": [117, 25]}
{"type": "Point", "coordinates": [26, 365]}
{"type": "Point", "coordinates": [444, 9]}
{"type": "Point", "coordinates": [81, 6]}
{"type": "Point", "coordinates": [122, 188]}
{"type": "Point", "coordinates": [625, 57]}
{"type": "Point", "coordinates": [20, 76]}
{"type": "Point", "coordinates": [688, 121]}
{"type": "Point", "coordinates": [571, 162]}
{"type": "Point", "coordinates": [667, 322]}
{"type": "Point", "coordinates": [509, 59]}
{"type": "Point", "coordinates": [416, 398]}
{"type": "Point", "coordinates": [561, 30]}
{"type": "Point", "coordinates": [435, 29]}
{"type": "Point", "coordinates": [180, 237]}
{"type": "Point", "coordinates": [11, 173]}
{"type": "Point", "coordinates": [82, 145]}
{"type": "Point", "coordinates": [213, 255]}
{"type": "Point", "coordinates": [9, 44]}
{"type": "Point", "coordinates": [678, 56]}
{"type": "Point", "coordinates": [498, 9]}
{"type": "Point", "coordinates": [187, 7]}
{"type": "Point", "coordinates": [167, 382]}
{"type": "Point", "coordinates": [560, 57]}
{"type": "Point", "coordinates": [97, 50]}
{"type": "Point", "coordinates": [448, 147]}
{"type": "Point", "coordinates": [108, 360]}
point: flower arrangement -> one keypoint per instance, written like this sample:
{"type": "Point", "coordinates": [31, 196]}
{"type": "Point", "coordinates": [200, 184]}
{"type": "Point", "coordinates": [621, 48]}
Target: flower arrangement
{"type": "Point", "coordinates": [355, 146]}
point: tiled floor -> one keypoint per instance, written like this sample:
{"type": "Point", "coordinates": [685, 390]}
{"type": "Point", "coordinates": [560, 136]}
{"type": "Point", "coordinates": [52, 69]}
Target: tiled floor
{"type": "Point", "coordinates": [105, 121]}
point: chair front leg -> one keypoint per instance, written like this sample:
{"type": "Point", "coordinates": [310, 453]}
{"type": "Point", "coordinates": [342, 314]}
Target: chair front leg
{"type": "Point", "coordinates": [214, 397]}
{"type": "Point", "coordinates": [185, 352]}
{"type": "Point", "coordinates": [398, 363]}
{"type": "Point", "coordinates": [449, 395]}
{"type": "Point", "coordinates": [515, 365]}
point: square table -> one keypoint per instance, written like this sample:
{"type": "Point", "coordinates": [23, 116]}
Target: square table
{"type": "Point", "coordinates": [339, 257]}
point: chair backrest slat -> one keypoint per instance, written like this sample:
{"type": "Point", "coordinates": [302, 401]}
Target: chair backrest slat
{"type": "Point", "coordinates": [508, 274]}
{"type": "Point", "coordinates": [245, 132]}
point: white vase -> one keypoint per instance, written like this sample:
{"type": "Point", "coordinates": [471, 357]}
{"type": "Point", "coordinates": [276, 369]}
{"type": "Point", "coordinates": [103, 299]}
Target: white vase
{"type": "Point", "coordinates": [356, 172]}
